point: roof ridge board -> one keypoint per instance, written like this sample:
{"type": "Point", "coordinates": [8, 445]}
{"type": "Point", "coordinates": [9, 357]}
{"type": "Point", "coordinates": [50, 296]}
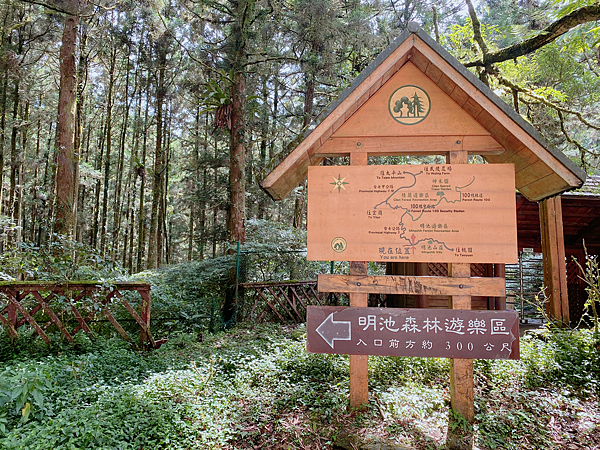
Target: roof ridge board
{"type": "Point", "coordinates": [504, 107]}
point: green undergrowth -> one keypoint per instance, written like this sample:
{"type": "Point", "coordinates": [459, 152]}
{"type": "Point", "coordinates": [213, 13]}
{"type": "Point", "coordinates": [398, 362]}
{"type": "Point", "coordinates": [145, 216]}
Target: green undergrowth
{"type": "Point", "coordinates": [256, 387]}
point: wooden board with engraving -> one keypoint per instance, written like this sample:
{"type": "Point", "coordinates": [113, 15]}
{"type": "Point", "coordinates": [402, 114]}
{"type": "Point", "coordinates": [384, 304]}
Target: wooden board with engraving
{"type": "Point", "coordinates": [412, 213]}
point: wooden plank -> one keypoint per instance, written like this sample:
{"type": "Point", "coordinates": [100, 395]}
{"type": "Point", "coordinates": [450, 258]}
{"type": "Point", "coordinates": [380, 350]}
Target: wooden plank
{"type": "Point", "coordinates": [482, 145]}
{"type": "Point", "coordinates": [409, 145]}
{"type": "Point", "coordinates": [538, 190]}
{"type": "Point", "coordinates": [532, 173]}
{"type": "Point", "coordinates": [486, 120]}
{"type": "Point", "coordinates": [53, 317]}
{"type": "Point", "coordinates": [291, 303]}
{"type": "Point", "coordinates": [433, 73]}
{"type": "Point", "coordinates": [29, 318]}
{"type": "Point", "coordinates": [422, 270]}
{"type": "Point", "coordinates": [32, 313]}
{"type": "Point", "coordinates": [412, 213]}
{"type": "Point", "coordinates": [459, 96]}
{"type": "Point", "coordinates": [439, 115]}
{"type": "Point", "coordinates": [116, 324]}
{"type": "Point", "coordinates": [412, 285]}
{"type": "Point", "coordinates": [461, 370]}
{"type": "Point", "coordinates": [419, 60]}
{"type": "Point", "coordinates": [359, 364]}
{"type": "Point", "coordinates": [472, 108]}
{"type": "Point", "coordinates": [276, 297]}
{"type": "Point", "coordinates": [358, 158]}
{"type": "Point", "coordinates": [500, 301]}
{"type": "Point", "coordinates": [555, 271]}
{"type": "Point", "coordinates": [10, 322]}
{"type": "Point", "coordinates": [260, 293]}
{"type": "Point", "coordinates": [446, 84]}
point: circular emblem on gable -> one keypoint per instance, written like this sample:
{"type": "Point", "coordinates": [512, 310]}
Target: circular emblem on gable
{"type": "Point", "coordinates": [409, 105]}
{"type": "Point", "coordinates": [339, 244]}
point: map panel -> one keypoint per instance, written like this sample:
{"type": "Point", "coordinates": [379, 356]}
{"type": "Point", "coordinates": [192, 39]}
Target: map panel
{"type": "Point", "coordinates": [462, 213]}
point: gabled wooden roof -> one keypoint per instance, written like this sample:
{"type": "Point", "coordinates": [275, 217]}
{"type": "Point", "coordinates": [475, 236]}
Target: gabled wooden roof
{"type": "Point", "coordinates": [470, 117]}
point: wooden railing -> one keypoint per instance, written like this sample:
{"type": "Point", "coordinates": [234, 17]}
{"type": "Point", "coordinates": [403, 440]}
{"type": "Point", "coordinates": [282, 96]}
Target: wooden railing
{"type": "Point", "coordinates": [284, 302]}
{"type": "Point", "coordinates": [71, 307]}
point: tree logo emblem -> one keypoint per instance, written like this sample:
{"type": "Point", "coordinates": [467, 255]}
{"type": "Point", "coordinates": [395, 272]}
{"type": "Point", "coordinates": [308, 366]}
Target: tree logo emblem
{"type": "Point", "coordinates": [409, 105]}
{"type": "Point", "coordinates": [339, 244]}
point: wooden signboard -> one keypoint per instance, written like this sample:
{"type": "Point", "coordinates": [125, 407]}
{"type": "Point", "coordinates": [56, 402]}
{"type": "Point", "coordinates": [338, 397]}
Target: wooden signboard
{"type": "Point", "coordinates": [433, 333]}
{"type": "Point", "coordinates": [412, 213]}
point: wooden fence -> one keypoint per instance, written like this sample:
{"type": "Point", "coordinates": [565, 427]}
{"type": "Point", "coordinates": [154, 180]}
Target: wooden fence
{"type": "Point", "coordinates": [286, 302]}
{"type": "Point", "coordinates": [72, 306]}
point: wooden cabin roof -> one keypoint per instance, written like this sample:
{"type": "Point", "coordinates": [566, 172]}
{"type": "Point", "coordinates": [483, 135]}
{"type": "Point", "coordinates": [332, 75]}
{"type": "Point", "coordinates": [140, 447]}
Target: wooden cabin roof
{"type": "Point", "coordinates": [580, 217]}
{"type": "Point", "coordinates": [474, 119]}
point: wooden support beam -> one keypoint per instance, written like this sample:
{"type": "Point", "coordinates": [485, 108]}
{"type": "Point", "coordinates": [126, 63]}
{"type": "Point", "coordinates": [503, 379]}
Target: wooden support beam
{"type": "Point", "coordinates": [422, 301]}
{"type": "Point", "coordinates": [553, 248]}
{"type": "Point", "coordinates": [359, 364]}
{"type": "Point", "coordinates": [461, 370]}
{"type": "Point", "coordinates": [412, 285]}
{"type": "Point", "coordinates": [500, 272]}
{"type": "Point", "coordinates": [409, 145]}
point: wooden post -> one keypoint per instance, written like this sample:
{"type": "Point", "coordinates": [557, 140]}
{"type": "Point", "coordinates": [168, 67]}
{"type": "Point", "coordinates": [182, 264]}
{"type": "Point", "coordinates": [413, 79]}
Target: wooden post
{"type": "Point", "coordinates": [461, 370]}
{"type": "Point", "coordinates": [553, 248]}
{"type": "Point", "coordinates": [145, 316]}
{"type": "Point", "coordinates": [500, 272]}
{"type": "Point", "coordinates": [422, 301]}
{"type": "Point", "coordinates": [11, 311]}
{"type": "Point", "coordinates": [359, 364]}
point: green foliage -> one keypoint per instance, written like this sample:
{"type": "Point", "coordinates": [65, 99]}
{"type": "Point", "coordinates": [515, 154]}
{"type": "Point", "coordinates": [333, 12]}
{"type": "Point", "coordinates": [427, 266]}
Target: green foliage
{"type": "Point", "coordinates": [386, 371]}
{"type": "Point", "coordinates": [188, 297]}
{"type": "Point", "coordinates": [275, 251]}
{"type": "Point", "coordinates": [257, 386]}
{"type": "Point", "coordinates": [590, 274]}
{"type": "Point", "coordinates": [60, 259]}
{"type": "Point", "coordinates": [566, 357]}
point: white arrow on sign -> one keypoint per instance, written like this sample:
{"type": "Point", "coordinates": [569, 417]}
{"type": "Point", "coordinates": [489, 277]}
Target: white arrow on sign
{"type": "Point", "coordinates": [331, 330]}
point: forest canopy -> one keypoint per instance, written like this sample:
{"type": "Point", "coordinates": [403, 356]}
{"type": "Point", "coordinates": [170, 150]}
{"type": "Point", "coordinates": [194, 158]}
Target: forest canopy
{"type": "Point", "coordinates": [142, 129]}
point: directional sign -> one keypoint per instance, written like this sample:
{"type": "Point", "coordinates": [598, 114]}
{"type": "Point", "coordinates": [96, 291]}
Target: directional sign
{"type": "Point", "coordinates": [462, 213]}
{"type": "Point", "coordinates": [331, 330]}
{"type": "Point", "coordinates": [436, 333]}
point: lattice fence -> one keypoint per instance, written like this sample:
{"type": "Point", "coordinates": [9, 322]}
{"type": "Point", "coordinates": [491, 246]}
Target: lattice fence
{"type": "Point", "coordinates": [285, 302]}
{"type": "Point", "coordinates": [71, 307]}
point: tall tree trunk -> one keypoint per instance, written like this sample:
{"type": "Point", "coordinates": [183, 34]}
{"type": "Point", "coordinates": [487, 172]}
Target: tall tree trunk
{"type": "Point", "coordinates": [35, 193]}
{"type": "Point", "coordinates": [82, 73]}
{"type": "Point", "coordinates": [109, 107]}
{"type": "Point", "coordinates": [162, 231]}
{"type": "Point", "coordinates": [97, 188]}
{"type": "Point", "coordinates": [132, 176]}
{"type": "Point", "coordinates": [142, 169]}
{"type": "Point", "coordinates": [66, 161]}
{"type": "Point", "coordinates": [158, 172]}
{"type": "Point", "coordinates": [2, 137]}
{"type": "Point", "coordinates": [237, 163]}
{"type": "Point", "coordinates": [237, 147]}
{"type": "Point", "coordinates": [46, 205]}
{"type": "Point", "coordinates": [16, 162]}
{"type": "Point", "coordinates": [120, 165]}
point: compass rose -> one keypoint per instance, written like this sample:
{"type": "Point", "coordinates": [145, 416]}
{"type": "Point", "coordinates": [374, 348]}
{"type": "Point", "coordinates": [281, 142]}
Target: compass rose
{"type": "Point", "coordinates": [339, 183]}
